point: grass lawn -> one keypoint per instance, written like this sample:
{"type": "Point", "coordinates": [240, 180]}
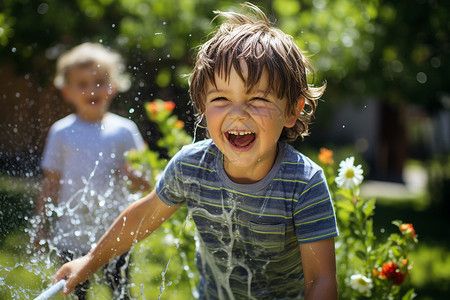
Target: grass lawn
{"type": "Point", "coordinates": [158, 268]}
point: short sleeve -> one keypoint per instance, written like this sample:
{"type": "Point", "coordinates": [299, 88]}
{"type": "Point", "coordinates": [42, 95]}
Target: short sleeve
{"type": "Point", "coordinates": [52, 157]}
{"type": "Point", "coordinates": [137, 141]}
{"type": "Point", "coordinates": [170, 186]}
{"type": "Point", "coordinates": [314, 213]}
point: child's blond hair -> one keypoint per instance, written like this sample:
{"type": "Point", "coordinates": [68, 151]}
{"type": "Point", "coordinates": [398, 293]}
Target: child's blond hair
{"type": "Point", "coordinates": [92, 53]}
{"type": "Point", "coordinates": [263, 48]}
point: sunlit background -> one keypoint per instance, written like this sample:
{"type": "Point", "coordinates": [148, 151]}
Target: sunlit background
{"type": "Point", "coordinates": [385, 62]}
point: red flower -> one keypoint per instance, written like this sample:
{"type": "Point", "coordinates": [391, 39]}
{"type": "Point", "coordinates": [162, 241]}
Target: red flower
{"type": "Point", "coordinates": [408, 230]}
{"type": "Point", "coordinates": [390, 271]}
{"type": "Point", "coordinates": [326, 156]}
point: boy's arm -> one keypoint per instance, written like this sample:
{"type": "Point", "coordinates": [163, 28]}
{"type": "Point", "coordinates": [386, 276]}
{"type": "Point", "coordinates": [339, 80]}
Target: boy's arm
{"type": "Point", "coordinates": [319, 268]}
{"type": "Point", "coordinates": [48, 195]}
{"type": "Point", "coordinates": [135, 223]}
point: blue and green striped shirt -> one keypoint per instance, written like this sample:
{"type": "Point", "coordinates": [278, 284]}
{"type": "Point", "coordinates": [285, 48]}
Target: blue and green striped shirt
{"type": "Point", "coordinates": [250, 233]}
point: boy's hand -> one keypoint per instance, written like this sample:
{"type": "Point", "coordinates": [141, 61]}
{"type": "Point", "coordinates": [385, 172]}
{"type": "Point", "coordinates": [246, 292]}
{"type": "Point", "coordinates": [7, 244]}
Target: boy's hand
{"type": "Point", "coordinates": [75, 272]}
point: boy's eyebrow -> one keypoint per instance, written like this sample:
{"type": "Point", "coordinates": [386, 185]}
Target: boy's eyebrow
{"type": "Point", "coordinates": [259, 91]}
{"type": "Point", "coordinates": [213, 90]}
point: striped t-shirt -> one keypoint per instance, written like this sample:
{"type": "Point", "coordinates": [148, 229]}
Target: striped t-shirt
{"type": "Point", "coordinates": [250, 233]}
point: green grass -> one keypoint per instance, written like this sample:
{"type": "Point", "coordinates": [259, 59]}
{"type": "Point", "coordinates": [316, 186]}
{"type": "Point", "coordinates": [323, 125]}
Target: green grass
{"type": "Point", "coordinates": [23, 274]}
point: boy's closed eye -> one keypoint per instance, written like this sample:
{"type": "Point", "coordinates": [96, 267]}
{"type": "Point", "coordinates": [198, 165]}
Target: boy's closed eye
{"type": "Point", "coordinates": [259, 101]}
{"type": "Point", "coordinates": [254, 100]}
{"type": "Point", "coordinates": [218, 99]}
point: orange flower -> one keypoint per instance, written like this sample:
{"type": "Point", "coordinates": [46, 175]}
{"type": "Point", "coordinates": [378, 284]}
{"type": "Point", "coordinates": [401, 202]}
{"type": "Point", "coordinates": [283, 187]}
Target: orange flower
{"type": "Point", "coordinates": [169, 105]}
{"type": "Point", "coordinates": [178, 124]}
{"type": "Point", "coordinates": [326, 156]}
{"type": "Point", "coordinates": [153, 108]}
{"type": "Point", "coordinates": [375, 273]}
{"type": "Point", "coordinates": [404, 266]}
{"type": "Point", "coordinates": [408, 230]}
{"type": "Point", "coordinates": [390, 271]}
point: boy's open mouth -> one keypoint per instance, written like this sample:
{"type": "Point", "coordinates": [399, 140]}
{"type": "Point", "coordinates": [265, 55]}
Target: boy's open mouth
{"type": "Point", "coordinates": [240, 138]}
{"type": "Point", "coordinates": [93, 101]}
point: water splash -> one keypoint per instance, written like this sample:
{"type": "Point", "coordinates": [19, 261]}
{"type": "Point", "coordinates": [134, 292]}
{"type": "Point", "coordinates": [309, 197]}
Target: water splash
{"type": "Point", "coordinates": [25, 272]}
{"type": "Point", "coordinates": [222, 277]}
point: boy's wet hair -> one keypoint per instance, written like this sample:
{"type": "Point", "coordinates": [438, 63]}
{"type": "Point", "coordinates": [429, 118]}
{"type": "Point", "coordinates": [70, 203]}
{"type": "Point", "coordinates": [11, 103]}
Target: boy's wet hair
{"type": "Point", "coordinates": [263, 48]}
{"type": "Point", "coordinates": [87, 54]}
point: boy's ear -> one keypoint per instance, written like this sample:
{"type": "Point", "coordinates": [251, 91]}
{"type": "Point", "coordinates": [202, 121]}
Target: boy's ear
{"type": "Point", "coordinates": [65, 92]}
{"type": "Point", "coordinates": [290, 121]}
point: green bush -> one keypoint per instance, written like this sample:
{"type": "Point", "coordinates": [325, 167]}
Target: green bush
{"type": "Point", "coordinates": [16, 204]}
{"type": "Point", "coordinates": [439, 182]}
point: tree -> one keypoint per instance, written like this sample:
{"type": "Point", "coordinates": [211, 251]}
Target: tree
{"type": "Point", "coordinates": [393, 50]}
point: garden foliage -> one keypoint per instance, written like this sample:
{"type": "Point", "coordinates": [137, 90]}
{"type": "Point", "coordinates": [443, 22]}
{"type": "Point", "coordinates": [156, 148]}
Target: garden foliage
{"type": "Point", "coordinates": [367, 267]}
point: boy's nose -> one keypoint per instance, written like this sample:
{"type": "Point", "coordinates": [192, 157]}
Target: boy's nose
{"type": "Point", "coordinates": [239, 112]}
{"type": "Point", "coordinates": [92, 89]}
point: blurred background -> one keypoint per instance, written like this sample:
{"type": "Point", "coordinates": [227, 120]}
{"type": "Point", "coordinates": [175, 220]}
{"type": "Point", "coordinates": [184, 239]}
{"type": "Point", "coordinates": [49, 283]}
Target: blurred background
{"type": "Point", "coordinates": [385, 62]}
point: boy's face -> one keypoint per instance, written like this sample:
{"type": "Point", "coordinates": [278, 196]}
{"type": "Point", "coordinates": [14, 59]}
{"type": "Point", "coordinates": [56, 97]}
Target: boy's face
{"type": "Point", "coordinates": [89, 89]}
{"type": "Point", "coordinates": [245, 125]}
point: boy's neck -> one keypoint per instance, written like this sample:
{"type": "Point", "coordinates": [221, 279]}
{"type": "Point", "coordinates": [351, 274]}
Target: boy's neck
{"type": "Point", "coordinates": [248, 175]}
{"type": "Point", "coordinates": [90, 119]}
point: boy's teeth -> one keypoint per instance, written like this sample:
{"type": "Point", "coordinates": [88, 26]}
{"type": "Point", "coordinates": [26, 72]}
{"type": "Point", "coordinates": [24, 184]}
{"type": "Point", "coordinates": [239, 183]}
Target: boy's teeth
{"type": "Point", "coordinates": [235, 132]}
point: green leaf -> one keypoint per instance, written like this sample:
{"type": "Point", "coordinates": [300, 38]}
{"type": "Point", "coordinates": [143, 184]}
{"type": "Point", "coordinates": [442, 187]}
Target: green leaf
{"type": "Point", "coordinates": [409, 295]}
{"type": "Point", "coordinates": [361, 254]}
{"type": "Point", "coordinates": [369, 207]}
{"type": "Point", "coordinates": [397, 223]}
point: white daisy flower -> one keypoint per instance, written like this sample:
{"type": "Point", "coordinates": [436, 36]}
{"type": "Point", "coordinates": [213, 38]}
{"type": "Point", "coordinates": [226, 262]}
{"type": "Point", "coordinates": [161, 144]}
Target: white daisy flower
{"type": "Point", "coordinates": [349, 176]}
{"type": "Point", "coordinates": [361, 283]}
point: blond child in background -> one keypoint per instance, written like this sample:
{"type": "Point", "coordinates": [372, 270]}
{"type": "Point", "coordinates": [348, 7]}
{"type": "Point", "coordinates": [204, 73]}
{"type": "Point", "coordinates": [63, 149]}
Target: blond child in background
{"type": "Point", "coordinates": [83, 162]}
{"type": "Point", "coordinates": [262, 209]}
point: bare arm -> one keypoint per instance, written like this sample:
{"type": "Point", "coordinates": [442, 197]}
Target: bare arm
{"type": "Point", "coordinates": [319, 268]}
{"type": "Point", "coordinates": [48, 195]}
{"type": "Point", "coordinates": [135, 223]}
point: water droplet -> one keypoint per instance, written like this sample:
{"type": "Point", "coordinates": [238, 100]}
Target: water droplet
{"type": "Point", "coordinates": [131, 110]}
{"type": "Point", "coordinates": [421, 77]}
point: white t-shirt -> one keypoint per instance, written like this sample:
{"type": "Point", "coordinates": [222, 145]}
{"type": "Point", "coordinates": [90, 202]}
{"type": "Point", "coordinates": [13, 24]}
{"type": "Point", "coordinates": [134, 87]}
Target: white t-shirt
{"type": "Point", "coordinates": [88, 157]}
